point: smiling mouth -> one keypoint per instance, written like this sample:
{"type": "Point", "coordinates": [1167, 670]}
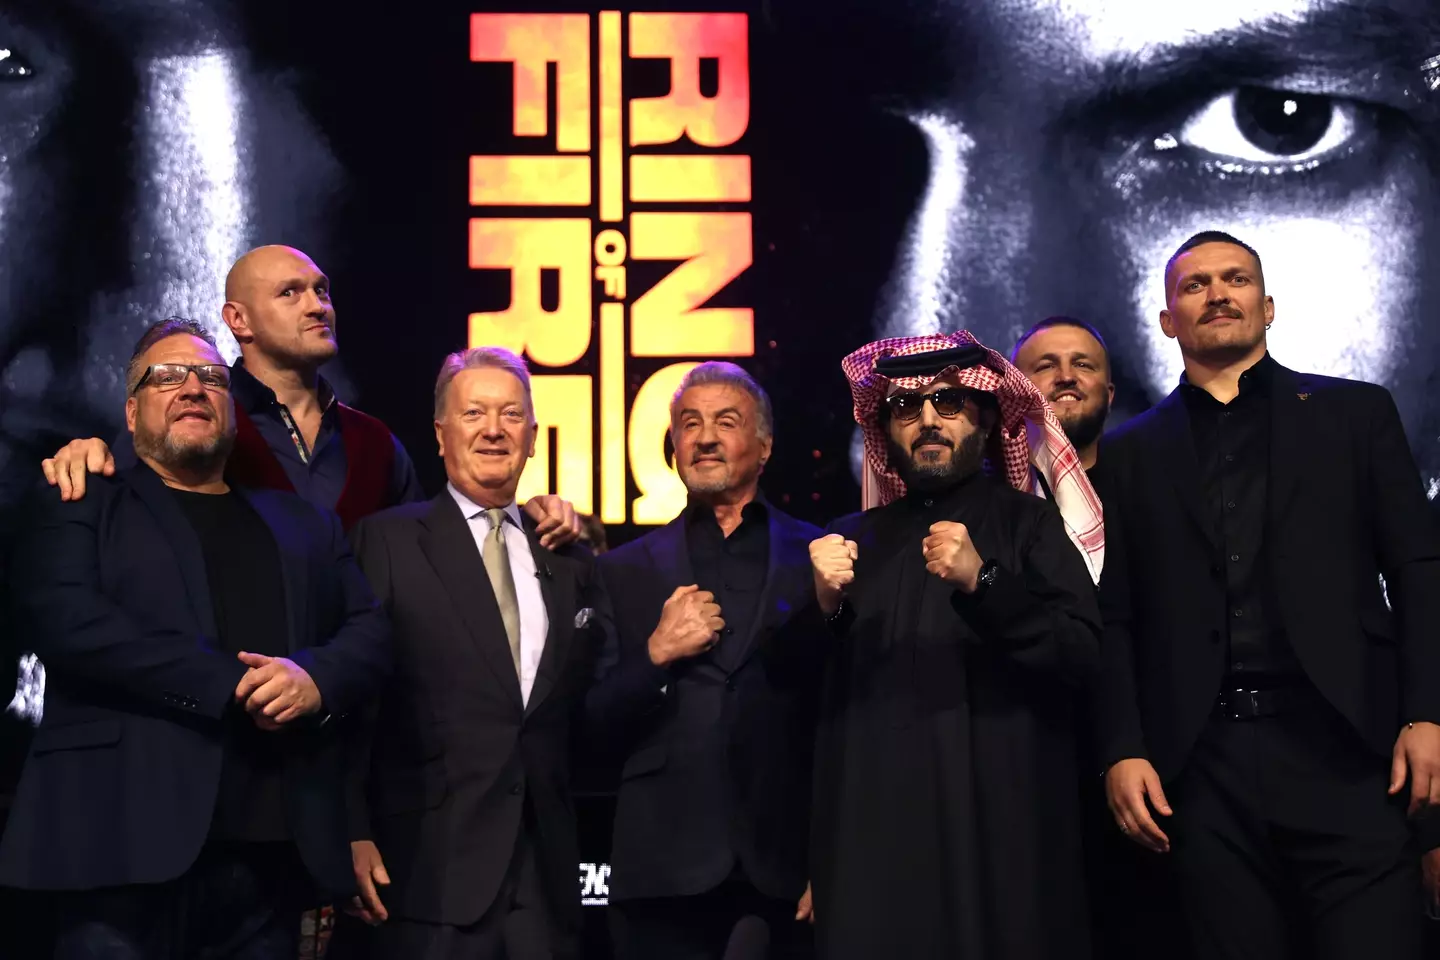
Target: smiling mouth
{"type": "Point", "coordinates": [1067, 398]}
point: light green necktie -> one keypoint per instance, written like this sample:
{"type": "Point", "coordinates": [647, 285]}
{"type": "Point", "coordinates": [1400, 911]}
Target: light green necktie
{"type": "Point", "coordinates": [497, 565]}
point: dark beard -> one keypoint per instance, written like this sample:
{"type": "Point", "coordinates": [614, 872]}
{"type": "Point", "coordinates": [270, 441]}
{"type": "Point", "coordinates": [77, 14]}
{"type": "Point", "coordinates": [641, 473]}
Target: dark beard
{"type": "Point", "coordinates": [966, 459]}
{"type": "Point", "coordinates": [1085, 429]}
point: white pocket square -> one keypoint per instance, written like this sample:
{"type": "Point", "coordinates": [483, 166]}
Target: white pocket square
{"type": "Point", "coordinates": [585, 615]}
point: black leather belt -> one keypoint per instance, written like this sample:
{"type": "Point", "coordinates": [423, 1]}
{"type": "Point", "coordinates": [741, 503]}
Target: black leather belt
{"type": "Point", "coordinates": [1242, 704]}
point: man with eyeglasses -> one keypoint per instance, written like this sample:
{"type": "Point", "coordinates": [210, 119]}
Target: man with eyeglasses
{"type": "Point", "coordinates": [292, 433]}
{"type": "Point", "coordinates": [946, 822]}
{"type": "Point", "coordinates": [206, 645]}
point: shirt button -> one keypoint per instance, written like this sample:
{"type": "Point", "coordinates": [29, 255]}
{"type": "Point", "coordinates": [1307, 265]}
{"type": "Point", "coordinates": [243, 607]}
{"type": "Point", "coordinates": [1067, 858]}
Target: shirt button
{"type": "Point", "coordinates": [728, 630]}
{"type": "Point", "coordinates": [1230, 505]}
{"type": "Point", "coordinates": [1239, 612]}
{"type": "Point", "coordinates": [1238, 665]}
{"type": "Point", "coordinates": [730, 684]}
{"type": "Point", "coordinates": [515, 790]}
{"type": "Point", "coordinates": [1234, 558]}
{"type": "Point", "coordinates": [929, 503]}
{"type": "Point", "coordinates": [1229, 458]}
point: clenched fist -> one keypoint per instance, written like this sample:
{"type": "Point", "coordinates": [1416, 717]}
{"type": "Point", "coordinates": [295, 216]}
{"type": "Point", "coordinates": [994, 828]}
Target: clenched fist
{"type": "Point", "coordinates": [689, 625]}
{"type": "Point", "coordinates": [833, 558]}
{"type": "Point", "coordinates": [950, 554]}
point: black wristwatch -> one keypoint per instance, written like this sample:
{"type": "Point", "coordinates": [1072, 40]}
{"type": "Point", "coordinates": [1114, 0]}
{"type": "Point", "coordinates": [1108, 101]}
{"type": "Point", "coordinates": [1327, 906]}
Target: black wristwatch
{"type": "Point", "coordinates": [986, 578]}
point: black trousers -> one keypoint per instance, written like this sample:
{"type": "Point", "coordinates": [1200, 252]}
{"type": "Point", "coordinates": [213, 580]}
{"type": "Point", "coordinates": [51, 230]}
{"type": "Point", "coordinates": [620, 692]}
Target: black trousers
{"type": "Point", "coordinates": [521, 924]}
{"type": "Point", "coordinates": [1286, 844]}
{"type": "Point", "coordinates": [702, 927]}
{"type": "Point", "coordinates": [238, 902]}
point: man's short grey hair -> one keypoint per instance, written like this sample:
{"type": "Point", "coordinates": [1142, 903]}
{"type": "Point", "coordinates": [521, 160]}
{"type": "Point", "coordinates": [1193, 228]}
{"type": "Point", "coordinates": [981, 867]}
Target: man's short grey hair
{"type": "Point", "coordinates": [164, 330]}
{"type": "Point", "coordinates": [496, 357]}
{"type": "Point", "coordinates": [730, 375]}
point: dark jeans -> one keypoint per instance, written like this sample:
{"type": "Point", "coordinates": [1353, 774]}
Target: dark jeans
{"type": "Point", "coordinates": [238, 902]}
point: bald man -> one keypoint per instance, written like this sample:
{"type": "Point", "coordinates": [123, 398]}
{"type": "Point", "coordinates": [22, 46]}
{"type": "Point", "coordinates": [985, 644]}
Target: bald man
{"type": "Point", "coordinates": [292, 433]}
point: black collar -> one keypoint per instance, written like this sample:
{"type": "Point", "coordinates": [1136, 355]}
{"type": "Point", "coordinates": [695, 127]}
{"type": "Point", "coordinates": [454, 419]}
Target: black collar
{"type": "Point", "coordinates": [253, 395]}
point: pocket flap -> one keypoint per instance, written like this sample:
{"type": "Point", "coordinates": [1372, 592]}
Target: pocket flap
{"type": "Point", "coordinates": [93, 733]}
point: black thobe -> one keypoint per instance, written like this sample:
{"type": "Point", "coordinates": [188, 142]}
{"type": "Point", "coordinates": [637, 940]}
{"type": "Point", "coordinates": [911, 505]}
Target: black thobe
{"type": "Point", "coordinates": [946, 822]}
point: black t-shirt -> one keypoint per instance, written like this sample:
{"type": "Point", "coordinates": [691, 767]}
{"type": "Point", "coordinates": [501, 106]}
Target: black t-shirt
{"type": "Point", "coordinates": [247, 593]}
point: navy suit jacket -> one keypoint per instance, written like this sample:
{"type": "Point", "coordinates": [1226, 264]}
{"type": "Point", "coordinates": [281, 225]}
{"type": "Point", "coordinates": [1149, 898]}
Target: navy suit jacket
{"type": "Point", "coordinates": [120, 784]}
{"type": "Point", "coordinates": [716, 750]}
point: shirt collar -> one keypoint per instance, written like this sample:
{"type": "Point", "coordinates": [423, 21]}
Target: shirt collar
{"type": "Point", "coordinates": [253, 395]}
{"type": "Point", "coordinates": [697, 510]}
{"type": "Point", "coordinates": [471, 509]}
{"type": "Point", "coordinates": [1257, 377]}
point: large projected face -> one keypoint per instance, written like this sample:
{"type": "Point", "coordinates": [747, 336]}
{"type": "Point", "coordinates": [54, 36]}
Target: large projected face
{"type": "Point", "coordinates": [142, 148]}
{"type": "Point", "coordinates": [1074, 144]}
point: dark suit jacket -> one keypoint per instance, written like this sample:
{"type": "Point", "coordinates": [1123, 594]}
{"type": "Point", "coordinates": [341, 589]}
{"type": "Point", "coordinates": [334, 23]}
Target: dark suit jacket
{"type": "Point", "coordinates": [1345, 505]}
{"type": "Point", "coordinates": [111, 592]}
{"type": "Point", "coordinates": [716, 750]}
{"type": "Point", "coordinates": [454, 754]}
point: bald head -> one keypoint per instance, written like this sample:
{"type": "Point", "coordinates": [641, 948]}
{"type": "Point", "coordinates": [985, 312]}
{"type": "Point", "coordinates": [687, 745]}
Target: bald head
{"type": "Point", "coordinates": [277, 303]}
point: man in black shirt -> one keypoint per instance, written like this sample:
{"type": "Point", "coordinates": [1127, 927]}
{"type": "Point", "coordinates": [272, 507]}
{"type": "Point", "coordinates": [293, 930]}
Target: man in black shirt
{"type": "Point", "coordinates": [706, 690]}
{"type": "Point", "coordinates": [183, 796]}
{"type": "Point", "coordinates": [1256, 667]}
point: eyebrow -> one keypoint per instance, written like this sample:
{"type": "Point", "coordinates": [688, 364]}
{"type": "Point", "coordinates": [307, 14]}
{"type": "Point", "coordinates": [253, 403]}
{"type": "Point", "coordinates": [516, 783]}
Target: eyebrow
{"type": "Point", "coordinates": [692, 412]}
{"type": "Point", "coordinates": [320, 280]}
{"type": "Point", "coordinates": [1371, 52]}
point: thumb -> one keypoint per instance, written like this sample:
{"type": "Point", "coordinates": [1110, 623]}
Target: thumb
{"type": "Point", "coordinates": [1398, 769]}
{"type": "Point", "coordinates": [253, 659]}
{"type": "Point", "coordinates": [1157, 793]}
{"type": "Point", "coordinates": [379, 874]}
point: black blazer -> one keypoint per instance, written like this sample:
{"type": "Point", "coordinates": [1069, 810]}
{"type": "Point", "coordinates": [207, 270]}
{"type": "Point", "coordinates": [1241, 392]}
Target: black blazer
{"type": "Point", "coordinates": [716, 750]}
{"type": "Point", "coordinates": [1345, 505]}
{"type": "Point", "coordinates": [454, 753]}
{"type": "Point", "coordinates": [111, 592]}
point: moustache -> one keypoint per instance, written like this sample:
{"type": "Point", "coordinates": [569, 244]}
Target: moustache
{"type": "Point", "coordinates": [714, 457]}
{"type": "Point", "coordinates": [930, 435]}
{"type": "Point", "coordinates": [1230, 312]}
{"type": "Point", "coordinates": [203, 410]}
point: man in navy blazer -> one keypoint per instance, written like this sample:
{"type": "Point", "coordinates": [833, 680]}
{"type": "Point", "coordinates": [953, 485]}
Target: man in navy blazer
{"type": "Point", "coordinates": [707, 691]}
{"type": "Point", "coordinates": [205, 645]}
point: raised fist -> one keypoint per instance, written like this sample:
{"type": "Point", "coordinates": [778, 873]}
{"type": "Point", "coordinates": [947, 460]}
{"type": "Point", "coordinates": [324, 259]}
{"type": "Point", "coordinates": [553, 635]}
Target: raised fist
{"type": "Point", "coordinates": [689, 625]}
{"type": "Point", "coordinates": [833, 558]}
{"type": "Point", "coordinates": [950, 554]}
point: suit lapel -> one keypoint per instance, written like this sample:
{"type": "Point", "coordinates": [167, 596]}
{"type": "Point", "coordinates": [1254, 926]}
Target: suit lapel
{"type": "Point", "coordinates": [1291, 438]}
{"type": "Point", "coordinates": [450, 548]}
{"type": "Point", "coordinates": [182, 539]}
{"type": "Point", "coordinates": [1181, 462]}
{"type": "Point", "coordinates": [559, 597]}
{"type": "Point", "coordinates": [295, 572]}
{"type": "Point", "coordinates": [670, 555]}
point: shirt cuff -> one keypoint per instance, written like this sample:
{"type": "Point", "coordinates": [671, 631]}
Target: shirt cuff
{"type": "Point", "coordinates": [1005, 600]}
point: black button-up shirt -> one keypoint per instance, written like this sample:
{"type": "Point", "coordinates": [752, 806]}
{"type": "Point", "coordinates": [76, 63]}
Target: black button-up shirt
{"type": "Point", "coordinates": [1232, 445]}
{"type": "Point", "coordinates": [734, 567]}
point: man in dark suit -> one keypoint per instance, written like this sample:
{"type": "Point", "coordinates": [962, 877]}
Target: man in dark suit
{"type": "Point", "coordinates": [465, 839]}
{"type": "Point", "coordinates": [183, 794]}
{"type": "Point", "coordinates": [707, 689]}
{"type": "Point", "coordinates": [1255, 670]}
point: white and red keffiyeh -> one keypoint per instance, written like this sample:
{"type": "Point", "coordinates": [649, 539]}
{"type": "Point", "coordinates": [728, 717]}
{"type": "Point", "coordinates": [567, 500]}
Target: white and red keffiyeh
{"type": "Point", "coordinates": [1028, 433]}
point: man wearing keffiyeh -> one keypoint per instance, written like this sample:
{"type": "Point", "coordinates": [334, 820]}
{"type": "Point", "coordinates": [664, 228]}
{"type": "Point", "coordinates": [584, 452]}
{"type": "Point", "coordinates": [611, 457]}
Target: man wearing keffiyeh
{"type": "Point", "coordinates": [946, 820]}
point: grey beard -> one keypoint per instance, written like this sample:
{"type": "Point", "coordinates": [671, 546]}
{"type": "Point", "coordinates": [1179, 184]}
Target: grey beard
{"type": "Point", "coordinates": [188, 458]}
{"type": "Point", "coordinates": [713, 485]}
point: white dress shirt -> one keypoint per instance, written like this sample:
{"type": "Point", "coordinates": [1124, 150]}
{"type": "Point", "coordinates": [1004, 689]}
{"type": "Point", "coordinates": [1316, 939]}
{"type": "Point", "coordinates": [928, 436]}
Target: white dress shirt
{"type": "Point", "coordinates": [534, 621]}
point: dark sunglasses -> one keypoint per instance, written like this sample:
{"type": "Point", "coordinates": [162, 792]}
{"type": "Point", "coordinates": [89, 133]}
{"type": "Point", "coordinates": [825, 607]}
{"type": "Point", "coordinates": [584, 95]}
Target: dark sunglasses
{"type": "Point", "coordinates": [947, 401]}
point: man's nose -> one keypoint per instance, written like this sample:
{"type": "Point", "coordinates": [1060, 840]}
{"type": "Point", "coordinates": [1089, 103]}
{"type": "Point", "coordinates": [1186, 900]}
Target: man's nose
{"type": "Point", "coordinates": [928, 415]}
{"type": "Point", "coordinates": [191, 386]}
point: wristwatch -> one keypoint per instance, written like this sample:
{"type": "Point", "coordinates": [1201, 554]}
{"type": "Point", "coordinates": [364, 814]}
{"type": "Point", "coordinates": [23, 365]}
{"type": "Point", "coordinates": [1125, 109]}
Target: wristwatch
{"type": "Point", "coordinates": [988, 572]}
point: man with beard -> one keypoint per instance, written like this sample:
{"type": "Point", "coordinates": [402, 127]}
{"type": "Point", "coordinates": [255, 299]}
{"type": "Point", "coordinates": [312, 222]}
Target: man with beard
{"type": "Point", "coordinates": [945, 821]}
{"type": "Point", "coordinates": [1257, 667]}
{"type": "Point", "coordinates": [205, 644]}
{"type": "Point", "coordinates": [1068, 361]}
{"type": "Point", "coordinates": [706, 690]}
{"type": "Point", "coordinates": [292, 432]}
